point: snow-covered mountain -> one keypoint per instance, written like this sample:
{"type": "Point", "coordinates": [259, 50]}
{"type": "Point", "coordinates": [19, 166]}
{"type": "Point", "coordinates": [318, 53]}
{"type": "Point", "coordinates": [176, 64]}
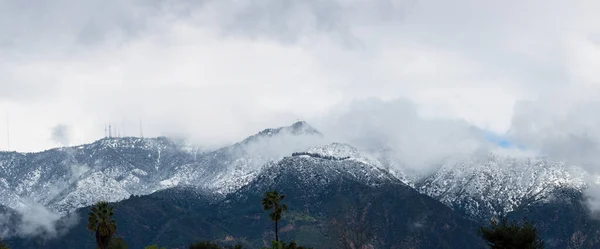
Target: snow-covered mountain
{"type": "Point", "coordinates": [480, 187]}
{"type": "Point", "coordinates": [496, 185]}
{"type": "Point", "coordinates": [310, 176]}
{"type": "Point", "coordinates": [113, 169]}
{"type": "Point", "coordinates": [109, 169]}
{"type": "Point", "coordinates": [227, 169]}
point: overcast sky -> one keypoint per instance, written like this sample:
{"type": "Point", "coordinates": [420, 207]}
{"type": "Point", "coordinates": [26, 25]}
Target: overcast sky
{"type": "Point", "coordinates": [216, 71]}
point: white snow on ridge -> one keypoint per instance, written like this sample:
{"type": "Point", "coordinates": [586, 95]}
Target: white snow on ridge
{"type": "Point", "coordinates": [113, 169]}
{"type": "Point", "coordinates": [169, 183]}
{"type": "Point", "coordinates": [498, 184]}
{"type": "Point", "coordinates": [340, 150]}
{"type": "Point", "coordinates": [93, 188]}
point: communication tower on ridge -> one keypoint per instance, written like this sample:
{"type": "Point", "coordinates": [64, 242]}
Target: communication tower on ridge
{"type": "Point", "coordinates": [141, 129]}
{"type": "Point", "coordinates": [7, 133]}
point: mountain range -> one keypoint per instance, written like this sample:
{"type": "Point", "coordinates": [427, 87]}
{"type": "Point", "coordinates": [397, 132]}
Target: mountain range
{"type": "Point", "coordinates": [173, 193]}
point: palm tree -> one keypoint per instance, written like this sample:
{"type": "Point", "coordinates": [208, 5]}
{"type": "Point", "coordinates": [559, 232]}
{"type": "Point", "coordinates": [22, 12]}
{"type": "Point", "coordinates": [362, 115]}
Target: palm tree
{"type": "Point", "coordinates": [2, 245]}
{"type": "Point", "coordinates": [271, 201]}
{"type": "Point", "coordinates": [117, 243]}
{"type": "Point", "coordinates": [100, 223]}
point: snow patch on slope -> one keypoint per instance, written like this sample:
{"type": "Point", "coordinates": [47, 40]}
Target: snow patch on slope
{"type": "Point", "coordinates": [498, 184]}
{"type": "Point", "coordinates": [340, 150]}
{"type": "Point", "coordinates": [93, 188]}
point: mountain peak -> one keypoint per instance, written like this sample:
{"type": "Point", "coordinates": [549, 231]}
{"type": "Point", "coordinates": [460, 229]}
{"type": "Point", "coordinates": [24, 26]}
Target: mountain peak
{"type": "Point", "coordinates": [302, 127]}
{"type": "Point", "coordinates": [298, 128]}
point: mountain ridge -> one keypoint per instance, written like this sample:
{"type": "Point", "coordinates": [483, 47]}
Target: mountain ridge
{"type": "Point", "coordinates": [119, 167]}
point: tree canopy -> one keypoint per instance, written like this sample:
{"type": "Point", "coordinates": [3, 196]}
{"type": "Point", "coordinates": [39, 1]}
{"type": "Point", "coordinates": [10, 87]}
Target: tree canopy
{"type": "Point", "coordinates": [511, 235]}
{"type": "Point", "coordinates": [101, 224]}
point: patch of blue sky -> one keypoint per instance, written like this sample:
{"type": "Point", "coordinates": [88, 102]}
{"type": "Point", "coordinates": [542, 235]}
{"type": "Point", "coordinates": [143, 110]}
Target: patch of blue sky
{"type": "Point", "coordinates": [501, 140]}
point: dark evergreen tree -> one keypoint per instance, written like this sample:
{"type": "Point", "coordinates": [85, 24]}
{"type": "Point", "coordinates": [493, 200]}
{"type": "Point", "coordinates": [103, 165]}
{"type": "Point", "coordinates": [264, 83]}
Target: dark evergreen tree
{"type": "Point", "coordinates": [204, 245]}
{"type": "Point", "coordinates": [272, 201]}
{"type": "Point", "coordinates": [2, 245]}
{"type": "Point", "coordinates": [353, 230]}
{"type": "Point", "coordinates": [511, 235]}
{"type": "Point", "coordinates": [117, 243]}
{"type": "Point", "coordinates": [101, 224]}
{"type": "Point", "coordinates": [207, 245]}
{"type": "Point", "coordinates": [154, 247]}
{"type": "Point", "coordinates": [283, 245]}
{"type": "Point", "coordinates": [238, 246]}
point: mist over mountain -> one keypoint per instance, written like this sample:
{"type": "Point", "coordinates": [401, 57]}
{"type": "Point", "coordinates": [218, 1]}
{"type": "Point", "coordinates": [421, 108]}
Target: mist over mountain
{"type": "Point", "coordinates": [428, 117]}
{"type": "Point", "coordinates": [54, 187]}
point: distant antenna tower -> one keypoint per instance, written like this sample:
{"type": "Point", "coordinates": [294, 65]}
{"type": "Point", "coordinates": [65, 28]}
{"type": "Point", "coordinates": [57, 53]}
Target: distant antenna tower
{"type": "Point", "coordinates": [7, 132]}
{"type": "Point", "coordinates": [141, 129]}
{"type": "Point", "coordinates": [109, 131]}
{"type": "Point", "coordinates": [105, 131]}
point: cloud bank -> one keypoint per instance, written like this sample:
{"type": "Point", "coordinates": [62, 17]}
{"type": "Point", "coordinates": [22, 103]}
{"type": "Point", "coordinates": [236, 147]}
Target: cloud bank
{"type": "Point", "coordinates": [219, 70]}
{"type": "Point", "coordinates": [35, 220]}
{"type": "Point", "coordinates": [60, 134]}
{"type": "Point", "coordinates": [419, 75]}
{"type": "Point", "coordinates": [420, 143]}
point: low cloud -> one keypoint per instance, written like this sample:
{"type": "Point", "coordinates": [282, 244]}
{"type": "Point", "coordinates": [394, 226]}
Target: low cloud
{"type": "Point", "coordinates": [77, 170]}
{"type": "Point", "coordinates": [35, 220]}
{"type": "Point", "coordinates": [190, 67]}
{"type": "Point", "coordinates": [564, 127]}
{"type": "Point", "coordinates": [61, 134]}
{"type": "Point", "coordinates": [420, 143]}
{"type": "Point", "coordinates": [5, 220]}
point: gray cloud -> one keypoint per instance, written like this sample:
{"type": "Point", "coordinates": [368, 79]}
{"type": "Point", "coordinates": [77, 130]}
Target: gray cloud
{"type": "Point", "coordinates": [563, 129]}
{"type": "Point", "coordinates": [418, 142]}
{"type": "Point", "coordinates": [216, 71]}
{"type": "Point", "coordinates": [35, 220]}
{"type": "Point", "coordinates": [68, 22]}
{"type": "Point", "coordinates": [60, 134]}
{"type": "Point", "coordinates": [560, 130]}
{"type": "Point", "coordinates": [178, 63]}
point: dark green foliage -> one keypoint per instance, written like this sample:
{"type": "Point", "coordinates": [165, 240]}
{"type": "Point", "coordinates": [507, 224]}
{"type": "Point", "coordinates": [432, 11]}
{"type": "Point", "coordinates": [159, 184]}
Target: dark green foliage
{"type": "Point", "coordinates": [209, 245]}
{"type": "Point", "coordinates": [117, 243]}
{"type": "Point", "coordinates": [2, 245]}
{"type": "Point", "coordinates": [154, 247]}
{"type": "Point", "coordinates": [283, 245]}
{"type": "Point", "coordinates": [353, 230]}
{"type": "Point", "coordinates": [205, 245]}
{"type": "Point", "coordinates": [510, 235]}
{"type": "Point", "coordinates": [101, 224]}
{"type": "Point", "coordinates": [272, 201]}
{"type": "Point", "coordinates": [565, 222]}
{"type": "Point", "coordinates": [320, 156]}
